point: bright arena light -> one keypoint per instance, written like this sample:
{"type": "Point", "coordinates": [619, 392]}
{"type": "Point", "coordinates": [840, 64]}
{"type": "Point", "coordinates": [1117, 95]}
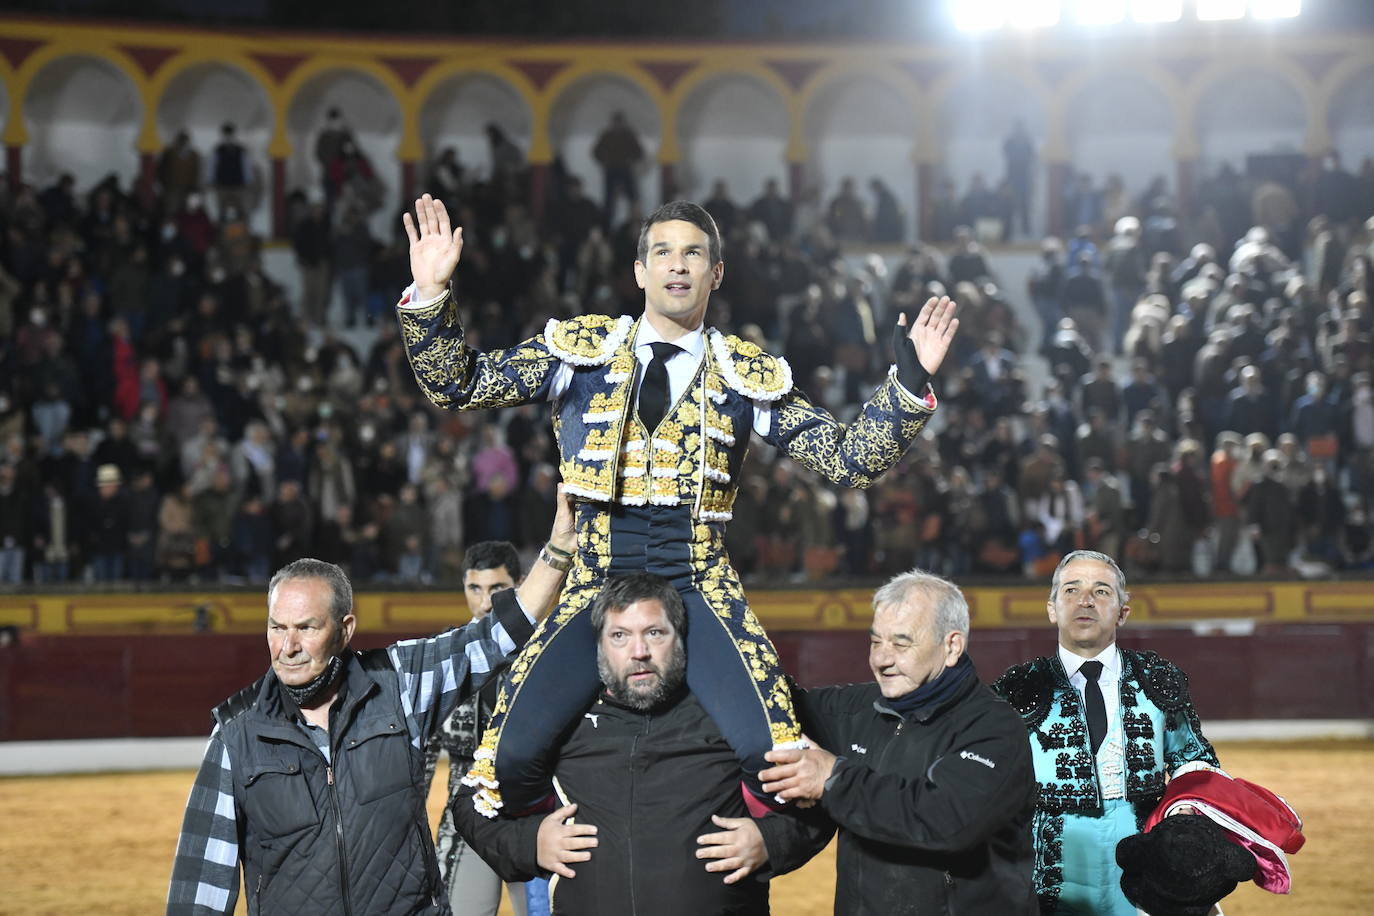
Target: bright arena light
{"type": "Point", "coordinates": [1101, 12]}
{"type": "Point", "coordinates": [1156, 10]}
{"type": "Point", "coordinates": [979, 15]}
{"type": "Point", "coordinates": [1034, 14]}
{"type": "Point", "coordinates": [987, 15]}
{"type": "Point", "coordinates": [1220, 9]}
{"type": "Point", "coordinates": [1275, 9]}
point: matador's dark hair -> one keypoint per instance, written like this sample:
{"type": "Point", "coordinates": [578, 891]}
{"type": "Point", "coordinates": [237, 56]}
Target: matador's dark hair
{"type": "Point", "coordinates": [688, 212]}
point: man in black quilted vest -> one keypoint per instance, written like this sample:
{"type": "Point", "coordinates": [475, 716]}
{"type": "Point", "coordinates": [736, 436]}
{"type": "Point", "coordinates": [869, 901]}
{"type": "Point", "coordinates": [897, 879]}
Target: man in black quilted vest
{"type": "Point", "coordinates": [313, 777]}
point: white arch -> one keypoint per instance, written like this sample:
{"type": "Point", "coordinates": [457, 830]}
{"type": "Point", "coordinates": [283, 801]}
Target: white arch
{"type": "Point", "coordinates": [734, 128]}
{"type": "Point", "coordinates": [861, 127]}
{"type": "Point", "coordinates": [1351, 118]}
{"type": "Point", "coordinates": [582, 111]}
{"type": "Point", "coordinates": [1121, 123]}
{"type": "Point", "coordinates": [976, 114]}
{"type": "Point", "coordinates": [375, 118]}
{"type": "Point", "coordinates": [457, 111]}
{"type": "Point", "coordinates": [1248, 111]}
{"type": "Point", "coordinates": [83, 116]}
{"type": "Point", "coordinates": [203, 98]}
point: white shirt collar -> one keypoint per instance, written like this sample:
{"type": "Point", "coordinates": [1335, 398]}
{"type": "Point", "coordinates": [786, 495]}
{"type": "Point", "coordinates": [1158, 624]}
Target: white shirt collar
{"type": "Point", "coordinates": [694, 342]}
{"type": "Point", "coordinates": [1109, 657]}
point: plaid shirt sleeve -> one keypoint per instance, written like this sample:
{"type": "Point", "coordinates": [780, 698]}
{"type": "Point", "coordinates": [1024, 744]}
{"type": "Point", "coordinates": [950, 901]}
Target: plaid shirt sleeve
{"type": "Point", "coordinates": [438, 673]}
{"type": "Point", "coordinates": [435, 675]}
{"type": "Point", "coordinates": [205, 876]}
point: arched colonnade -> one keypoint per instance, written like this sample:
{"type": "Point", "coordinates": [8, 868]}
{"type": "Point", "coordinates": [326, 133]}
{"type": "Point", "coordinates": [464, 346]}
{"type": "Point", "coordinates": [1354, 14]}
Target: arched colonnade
{"type": "Point", "coordinates": [95, 100]}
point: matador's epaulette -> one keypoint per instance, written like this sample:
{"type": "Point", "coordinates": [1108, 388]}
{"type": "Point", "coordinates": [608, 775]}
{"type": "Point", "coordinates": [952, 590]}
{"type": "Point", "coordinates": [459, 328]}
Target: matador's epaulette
{"type": "Point", "coordinates": [1028, 688]}
{"type": "Point", "coordinates": [1165, 683]}
{"type": "Point", "coordinates": [748, 370]}
{"type": "Point", "coordinates": [588, 340]}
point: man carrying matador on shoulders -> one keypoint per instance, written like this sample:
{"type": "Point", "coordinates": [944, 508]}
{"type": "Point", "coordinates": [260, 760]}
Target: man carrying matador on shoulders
{"type": "Point", "coordinates": [653, 418]}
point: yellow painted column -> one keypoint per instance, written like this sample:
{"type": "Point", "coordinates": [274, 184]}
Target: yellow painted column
{"type": "Point", "coordinates": [540, 155]}
{"type": "Point", "coordinates": [411, 149]}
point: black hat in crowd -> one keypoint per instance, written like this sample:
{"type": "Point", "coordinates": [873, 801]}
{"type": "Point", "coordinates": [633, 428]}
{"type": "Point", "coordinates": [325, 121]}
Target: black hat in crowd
{"type": "Point", "coordinates": [1181, 867]}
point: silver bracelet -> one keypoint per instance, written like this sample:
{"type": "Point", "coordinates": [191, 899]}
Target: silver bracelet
{"type": "Point", "coordinates": [558, 564]}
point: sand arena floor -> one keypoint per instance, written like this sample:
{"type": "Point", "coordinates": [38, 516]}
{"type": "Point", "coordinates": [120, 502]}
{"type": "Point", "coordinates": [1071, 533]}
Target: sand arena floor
{"type": "Point", "coordinates": [104, 843]}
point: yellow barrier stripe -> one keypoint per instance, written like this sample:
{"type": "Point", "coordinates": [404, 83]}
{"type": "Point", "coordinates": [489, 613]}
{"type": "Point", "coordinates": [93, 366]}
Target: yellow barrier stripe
{"type": "Point", "coordinates": [779, 610]}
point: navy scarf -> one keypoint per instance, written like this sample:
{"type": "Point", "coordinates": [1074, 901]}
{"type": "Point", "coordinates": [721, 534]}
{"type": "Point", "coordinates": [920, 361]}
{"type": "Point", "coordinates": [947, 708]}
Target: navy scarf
{"type": "Point", "coordinates": [932, 694]}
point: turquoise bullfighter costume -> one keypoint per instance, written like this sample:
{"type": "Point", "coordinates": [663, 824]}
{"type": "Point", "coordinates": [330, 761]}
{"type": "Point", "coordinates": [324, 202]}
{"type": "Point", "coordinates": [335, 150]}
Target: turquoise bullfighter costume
{"type": "Point", "coordinates": [1087, 803]}
{"type": "Point", "coordinates": [654, 500]}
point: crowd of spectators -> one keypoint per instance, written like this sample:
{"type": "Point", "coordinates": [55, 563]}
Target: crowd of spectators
{"type": "Point", "coordinates": [169, 413]}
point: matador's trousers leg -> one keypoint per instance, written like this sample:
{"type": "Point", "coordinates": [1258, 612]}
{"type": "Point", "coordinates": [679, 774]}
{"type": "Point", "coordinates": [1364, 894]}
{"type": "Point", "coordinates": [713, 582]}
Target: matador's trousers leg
{"type": "Point", "coordinates": [731, 666]}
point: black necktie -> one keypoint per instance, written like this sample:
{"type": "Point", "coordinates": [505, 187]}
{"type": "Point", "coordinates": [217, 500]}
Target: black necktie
{"type": "Point", "coordinates": [653, 390]}
{"type": "Point", "coordinates": [1095, 705]}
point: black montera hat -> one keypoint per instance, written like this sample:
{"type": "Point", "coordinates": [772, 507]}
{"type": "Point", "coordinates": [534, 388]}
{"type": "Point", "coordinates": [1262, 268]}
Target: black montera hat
{"type": "Point", "coordinates": [1181, 867]}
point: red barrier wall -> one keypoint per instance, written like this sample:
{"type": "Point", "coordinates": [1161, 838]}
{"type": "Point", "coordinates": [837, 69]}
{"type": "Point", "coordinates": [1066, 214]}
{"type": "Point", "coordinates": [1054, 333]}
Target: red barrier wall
{"type": "Point", "coordinates": [55, 687]}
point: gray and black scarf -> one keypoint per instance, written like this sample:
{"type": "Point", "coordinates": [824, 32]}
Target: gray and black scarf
{"type": "Point", "coordinates": [306, 694]}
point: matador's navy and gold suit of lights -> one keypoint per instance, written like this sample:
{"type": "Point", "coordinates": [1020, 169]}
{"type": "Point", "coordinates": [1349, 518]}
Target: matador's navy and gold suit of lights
{"type": "Point", "coordinates": [654, 500]}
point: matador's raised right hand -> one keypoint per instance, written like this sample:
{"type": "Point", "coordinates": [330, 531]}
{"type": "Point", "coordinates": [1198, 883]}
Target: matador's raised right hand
{"type": "Point", "coordinates": [434, 247]}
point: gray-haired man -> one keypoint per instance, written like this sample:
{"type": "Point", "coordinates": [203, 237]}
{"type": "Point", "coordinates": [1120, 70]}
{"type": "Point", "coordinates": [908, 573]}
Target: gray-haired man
{"type": "Point", "coordinates": [312, 778]}
{"type": "Point", "coordinates": [1108, 727]}
{"type": "Point", "coordinates": [930, 779]}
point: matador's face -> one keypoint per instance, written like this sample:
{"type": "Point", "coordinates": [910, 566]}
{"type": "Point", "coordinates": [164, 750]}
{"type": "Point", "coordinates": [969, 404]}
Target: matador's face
{"type": "Point", "coordinates": [1086, 606]}
{"type": "Point", "coordinates": [678, 276]}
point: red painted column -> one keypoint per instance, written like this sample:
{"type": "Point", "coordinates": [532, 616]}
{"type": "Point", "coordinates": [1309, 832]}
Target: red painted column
{"type": "Point", "coordinates": [14, 166]}
{"type": "Point", "coordinates": [278, 198]}
{"type": "Point", "coordinates": [667, 182]}
{"type": "Point", "coordinates": [1057, 179]}
{"type": "Point", "coordinates": [1187, 186]}
{"type": "Point", "coordinates": [539, 190]}
{"type": "Point", "coordinates": [407, 184]}
{"type": "Point", "coordinates": [147, 179]}
{"type": "Point", "coordinates": [925, 200]}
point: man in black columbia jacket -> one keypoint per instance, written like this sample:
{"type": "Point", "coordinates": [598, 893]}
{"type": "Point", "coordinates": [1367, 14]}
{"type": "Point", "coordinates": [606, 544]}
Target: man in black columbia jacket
{"type": "Point", "coordinates": [651, 789]}
{"type": "Point", "coordinates": [930, 781]}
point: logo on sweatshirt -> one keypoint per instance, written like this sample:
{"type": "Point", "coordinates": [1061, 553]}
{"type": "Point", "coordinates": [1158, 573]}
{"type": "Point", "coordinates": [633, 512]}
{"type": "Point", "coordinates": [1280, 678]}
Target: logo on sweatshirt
{"type": "Point", "coordinates": [969, 755]}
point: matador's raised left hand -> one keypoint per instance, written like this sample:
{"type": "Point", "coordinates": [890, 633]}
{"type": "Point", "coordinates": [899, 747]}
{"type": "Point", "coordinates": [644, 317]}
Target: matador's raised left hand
{"type": "Point", "coordinates": [933, 331]}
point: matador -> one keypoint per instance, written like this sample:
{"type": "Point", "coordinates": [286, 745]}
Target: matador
{"type": "Point", "coordinates": [652, 418]}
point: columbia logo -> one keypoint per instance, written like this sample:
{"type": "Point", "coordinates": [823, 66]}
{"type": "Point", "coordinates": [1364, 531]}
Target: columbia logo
{"type": "Point", "coordinates": [969, 755]}
{"type": "Point", "coordinates": [857, 749]}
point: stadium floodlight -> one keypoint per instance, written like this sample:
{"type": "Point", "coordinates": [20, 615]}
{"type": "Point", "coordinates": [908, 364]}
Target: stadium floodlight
{"type": "Point", "coordinates": [1101, 12]}
{"type": "Point", "coordinates": [978, 15]}
{"type": "Point", "coordinates": [1034, 14]}
{"type": "Point", "coordinates": [1220, 9]}
{"type": "Point", "coordinates": [1275, 9]}
{"type": "Point", "coordinates": [1156, 10]}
